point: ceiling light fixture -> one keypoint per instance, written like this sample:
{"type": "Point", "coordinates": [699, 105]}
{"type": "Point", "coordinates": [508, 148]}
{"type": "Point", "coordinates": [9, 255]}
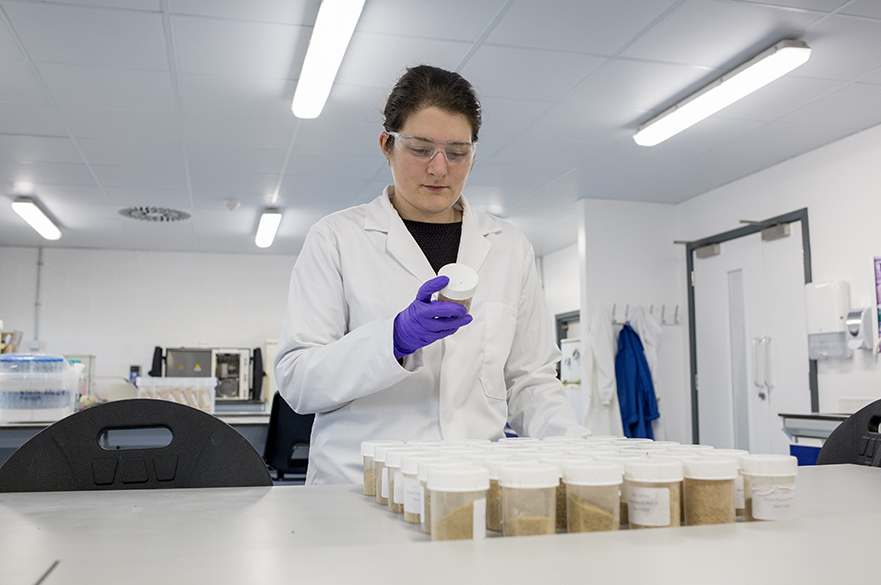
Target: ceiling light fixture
{"type": "Point", "coordinates": [759, 71]}
{"type": "Point", "coordinates": [29, 211]}
{"type": "Point", "coordinates": [267, 227]}
{"type": "Point", "coordinates": [330, 37]}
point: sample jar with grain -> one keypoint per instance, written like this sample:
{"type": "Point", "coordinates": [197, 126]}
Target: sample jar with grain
{"type": "Point", "coordinates": [653, 492]}
{"type": "Point", "coordinates": [411, 487]}
{"type": "Point", "coordinates": [493, 494]}
{"type": "Point", "coordinates": [592, 494]}
{"type": "Point", "coordinates": [739, 500]}
{"type": "Point", "coordinates": [463, 283]}
{"type": "Point", "coordinates": [529, 499]}
{"type": "Point", "coordinates": [458, 496]}
{"type": "Point", "coordinates": [559, 460]}
{"type": "Point", "coordinates": [367, 449]}
{"type": "Point", "coordinates": [769, 486]}
{"type": "Point", "coordinates": [708, 488]}
{"type": "Point", "coordinates": [621, 458]}
{"type": "Point", "coordinates": [424, 469]}
{"type": "Point", "coordinates": [380, 473]}
{"type": "Point", "coordinates": [393, 458]}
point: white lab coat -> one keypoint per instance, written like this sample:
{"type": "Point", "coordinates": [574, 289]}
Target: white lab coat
{"type": "Point", "coordinates": [603, 415]}
{"type": "Point", "coordinates": [357, 270]}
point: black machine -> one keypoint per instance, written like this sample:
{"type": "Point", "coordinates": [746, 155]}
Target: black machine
{"type": "Point", "coordinates": [239, 371]}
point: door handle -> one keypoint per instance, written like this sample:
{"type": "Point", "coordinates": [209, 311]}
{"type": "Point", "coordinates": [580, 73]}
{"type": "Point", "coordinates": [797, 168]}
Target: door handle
{"type": "Point", "coordinates": [758, 366]}
{"type": "Point", "coordinates": [769, 372]}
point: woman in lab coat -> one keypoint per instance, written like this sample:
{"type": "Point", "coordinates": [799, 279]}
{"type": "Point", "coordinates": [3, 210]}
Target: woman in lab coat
{"type": "Point", "coordinates": [373, 363]}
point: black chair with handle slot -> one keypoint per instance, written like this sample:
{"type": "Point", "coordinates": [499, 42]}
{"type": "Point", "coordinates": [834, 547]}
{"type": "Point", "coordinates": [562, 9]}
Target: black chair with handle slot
{"type": "Point", "coordinates": [287, 442]}
{"type": "Point", "coordinates": [856, 440]}
{"type": "Point", "coordinates": [68, 455]}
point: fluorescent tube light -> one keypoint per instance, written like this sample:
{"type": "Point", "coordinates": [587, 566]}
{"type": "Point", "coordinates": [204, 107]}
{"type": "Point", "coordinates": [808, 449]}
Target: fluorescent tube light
{"type": "Point", "coordinates": [742, 81]}
{"type": "Point", "coordinates": [267, 228]}
{"type": "Point", "coordinates": [28, 210]}
{"type": "Point", "coordinates": [330, 37]}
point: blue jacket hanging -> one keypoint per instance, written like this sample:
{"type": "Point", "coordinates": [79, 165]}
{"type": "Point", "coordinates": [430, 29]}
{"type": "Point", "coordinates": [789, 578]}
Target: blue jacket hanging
{"type": "Point", "coordinates": [636, 393]}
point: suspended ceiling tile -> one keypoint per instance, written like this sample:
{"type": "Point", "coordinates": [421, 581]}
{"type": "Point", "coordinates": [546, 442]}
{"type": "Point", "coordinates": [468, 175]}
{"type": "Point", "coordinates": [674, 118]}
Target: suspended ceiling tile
{"type": "Point", "coordinates": [354, 166]}
{"type": "Point", "coordinates": [585, 26]}
{"type": "Point", "coordinates": [238, 48]}
{"type": "Point", "coordinates": [843, 48]}
{"type": "Point", "coordinates": [573, 120]}
{"type": "Point", "coordinates": [500, 72]}
{"type": "Point", "coordinates": [377, 60]}
{"type": "Point", "coordinates": [50, 173]}
{"type": "Point", "coordinates": [240, 131]}
{"type": "Point", "coordinates": [123, 125]}
{"type": "Point", "coordinates": [209, 157]}
{"type": "Point", "coordinates": [460, 20]}
{"type": "Point", "coordinates": [140, 177]}
{"type": "Point", "coordinates": [275, 11]}
{"type": "Point", "coordinates": [506, 117]}
{"type": "Point", "coordinates": [316, 137]}
{"type": "Point", "coordinates": [77, 86]}
{"type": "Point", "coordinates": [148, 5]}
{"type": "Point", "coordinates": [712, 33]}
{"type": "Point", "coordinates": [511, 175]}
{"type": "Point", "coordinates": [150, 197]}
{"type": "Point", "coordinates": [233, 185]}
{"type": "Point", "coordinates": [19, 84]}
{"type": "Point", "coordinates": [821, 5]}
{"type": "Point", "coordinates": [69, 195]}
{"type": "Point", "coordinates": [780, 140]}
{"type": "Point", "coordinates": [350, 105]}
{"type": "Point", "coordinates": [161, 155]}
{"type": "Point", "coordinates": [867, 8]}
{"type": "Point", "coordinates": [780, 98]}
{"type": "Point", "coordinates": [546, 152]}
{"type": "Point", "coordinates": [850, 109]}
{"type": "Point", "coordinates": [36, 119]}
{"type": "Point", "coordinates": [221, 95]}
{"type": "Point", "coordinates": [27, 149]}
{"type": "Point", "coordinates": [98, 37]}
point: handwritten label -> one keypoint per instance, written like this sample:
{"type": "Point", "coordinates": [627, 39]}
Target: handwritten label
{"type": "Point", "coordinates": [648, 506]}
{"type": "Point", "coordinates": [412, 496]}
{"type": "Point", "coordinates": [774, 503]}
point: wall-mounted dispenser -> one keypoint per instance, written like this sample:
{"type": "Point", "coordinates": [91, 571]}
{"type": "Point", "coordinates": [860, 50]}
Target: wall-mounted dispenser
{"type": "Point", "coordinates": [860, 326]}
{"type": "Point", "coordinates": [827, 304]}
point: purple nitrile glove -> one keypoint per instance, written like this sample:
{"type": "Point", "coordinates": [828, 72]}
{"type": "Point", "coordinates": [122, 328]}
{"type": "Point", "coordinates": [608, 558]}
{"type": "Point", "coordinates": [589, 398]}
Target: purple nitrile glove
{"type": "Point", "coordinates": [424, 321]}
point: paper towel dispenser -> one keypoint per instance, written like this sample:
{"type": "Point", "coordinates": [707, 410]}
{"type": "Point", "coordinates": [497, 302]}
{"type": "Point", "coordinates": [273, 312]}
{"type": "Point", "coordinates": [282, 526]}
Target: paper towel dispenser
{"type": "Point", "coordinates": [827, 305]}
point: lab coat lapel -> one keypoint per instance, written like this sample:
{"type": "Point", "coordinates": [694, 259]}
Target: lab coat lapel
{"type": "Point", "coordinates": [474, 247]}
{"type": "Point", "coordinates": [400, 245]}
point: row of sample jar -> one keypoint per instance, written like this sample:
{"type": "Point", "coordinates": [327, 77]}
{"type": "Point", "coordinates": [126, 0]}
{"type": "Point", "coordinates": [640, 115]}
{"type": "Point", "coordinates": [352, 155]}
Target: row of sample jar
{"type": "Point", "coordinates": [520, 486]}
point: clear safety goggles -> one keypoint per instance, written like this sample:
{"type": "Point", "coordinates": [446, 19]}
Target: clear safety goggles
{"type": "Point", "coordinates": [423, 149]}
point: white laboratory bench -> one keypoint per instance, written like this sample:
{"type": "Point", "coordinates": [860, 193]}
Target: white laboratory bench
{"type": "Point", "coordinates": [334, 534]}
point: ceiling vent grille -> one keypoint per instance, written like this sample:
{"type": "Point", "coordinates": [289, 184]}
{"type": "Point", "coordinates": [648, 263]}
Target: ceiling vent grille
{"type": "Point", "coordinates": [160, 214]}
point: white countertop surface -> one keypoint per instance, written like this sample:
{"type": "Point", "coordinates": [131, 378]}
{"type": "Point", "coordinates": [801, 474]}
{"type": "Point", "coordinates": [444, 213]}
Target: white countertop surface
{"type": "Point", "coordinates": [334, 534]}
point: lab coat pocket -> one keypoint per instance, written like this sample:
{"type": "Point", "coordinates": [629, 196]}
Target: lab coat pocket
{"type": "Point", "coordinates": [501, 321]}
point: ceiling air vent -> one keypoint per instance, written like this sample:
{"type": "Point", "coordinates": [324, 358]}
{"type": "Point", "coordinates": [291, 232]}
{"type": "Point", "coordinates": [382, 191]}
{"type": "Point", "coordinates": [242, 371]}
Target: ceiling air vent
{"type": "Point", "coordinates": [154, 214]}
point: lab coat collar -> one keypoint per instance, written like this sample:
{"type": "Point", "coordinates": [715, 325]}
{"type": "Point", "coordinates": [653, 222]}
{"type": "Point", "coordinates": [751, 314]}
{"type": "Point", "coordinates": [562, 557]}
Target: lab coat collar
{"type": "Point", "coordinates": [474, 247]}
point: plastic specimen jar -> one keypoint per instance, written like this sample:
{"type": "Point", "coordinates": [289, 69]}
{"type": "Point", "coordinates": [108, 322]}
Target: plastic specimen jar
{"type": "Point", "coordinates": [621, 458]}
{"type": "Point", "coordinates": [458, 496]}
{"type": "Point", "coordinates": [739, 500]}
{"type": "Point", "coordinates": [592, 495]}
{"type": "Point", "coordinates": [395, 479]}
{"type": "Point", "coordinates": [493, 494]}
{"type": "Point", "coordinates": [410, 485]}
{"type": "Point", "coordinates": [559, 460]}
{"type": "Point", "coordinates": [653, 492]}
{"type": "Point", "coordinates": [769, 486]}
{"type": "Point", "coordinates": [529, 499]}
{"type": "Point", "coordinates": [380, 474]}
{"type": "Point", "coordinates": [424, 469]}
{"type": "Point", "coordinates": [708, 488]}
{"type": "Point", "coordinates": [463, 283]}
{"type": "Point", "coordinates": [367, 449]}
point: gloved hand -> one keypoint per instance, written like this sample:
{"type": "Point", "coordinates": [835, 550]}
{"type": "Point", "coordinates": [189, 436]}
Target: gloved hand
{"type": "Point", "coordinates": [424, 321]}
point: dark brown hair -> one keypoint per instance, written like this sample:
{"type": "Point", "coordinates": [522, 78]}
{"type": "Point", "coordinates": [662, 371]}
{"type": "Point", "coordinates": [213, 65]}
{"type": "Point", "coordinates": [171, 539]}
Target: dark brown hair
{"type": "Point", "coordinates": [425, 86]}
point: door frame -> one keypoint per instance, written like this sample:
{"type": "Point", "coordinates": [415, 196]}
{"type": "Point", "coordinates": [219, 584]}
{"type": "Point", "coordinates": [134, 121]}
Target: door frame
{"type": "Point", "coordinates": [799, 215]}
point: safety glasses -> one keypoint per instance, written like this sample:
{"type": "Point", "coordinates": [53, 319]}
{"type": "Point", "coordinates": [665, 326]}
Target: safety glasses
{"type": "Point", "coordinates": [423, 149]}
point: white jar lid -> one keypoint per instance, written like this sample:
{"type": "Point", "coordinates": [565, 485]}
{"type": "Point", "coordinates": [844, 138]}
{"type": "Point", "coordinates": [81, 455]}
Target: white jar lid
{"type": "Point", "coordinates": [518, 440]}
{"type": "Point", "coordinates": [426, 466]}
{"type": "Point", "coordinates": [394, 455]}
{"type": "Point", "coordinates": [709, 468]}
{"type": "Point", "coordinates": [563, 439]}
{"type": "Point", "coordinates": [642, 449]}
{"type": "Point", "coordinates": [593, 473]}
{"type": "Point", "coordinates": [427, 443]}
{"type": "Point", "coordinates": [690, 448]}
{"type": "Point", "coordinates": [680, 456]}
{"type": "Point", "coordinates": [773, 465]}
{"type": "Point", "coordinates": [625, 442]}
{"type": "Point", "coordinates": [734, 453]}
{"type": "Point", "coordinates": [653, 470]}
{"type": "Point", "coordinates": [367, 447]}
{"type": "Point", "coordinates": [535, 475]}
{"type": "Point", "coordinates": [463, 281]}
{"type": "Point", "coordinates": [523, 454]}
{"type": "Point", "coordinates": [410, 463]}
{"type": "Point", "coordinates": [468, 478]}
{"type": "Point", "coordinates": [560, 461]}
{"type": "Point", "coordinates": [617, 456]}
{"type": "Point", "coordinates": [468, 442]}
{"type": "Point", "coordinates": [494, 463]}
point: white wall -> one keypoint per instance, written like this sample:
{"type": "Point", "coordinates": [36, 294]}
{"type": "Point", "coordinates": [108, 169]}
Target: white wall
{"type": "Point", "coordinates": [119, 305]}
{"type": "Point", "coordinates": [840, 184]}
{"type": "Point", "coordinates": [560, 279]}
{"type": "Point", "coordinates": [629, 258]}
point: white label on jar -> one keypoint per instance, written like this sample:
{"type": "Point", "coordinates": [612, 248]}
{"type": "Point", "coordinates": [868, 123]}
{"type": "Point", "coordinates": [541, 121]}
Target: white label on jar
{"type": "Point", "coordinates": [412, 495]}
{"type": "Point", "coordinates": [478, 519]}
{"type": "Point", "coordinates": [648, 506]}
{"type": "Point", "coordinates": [383, 492]}
{"type": "Point", "coordinates": [398, 497]}
{"type": "Point", "coordinates": [739, 502]}
{"type": "Point", "coordinates": [774, 503]}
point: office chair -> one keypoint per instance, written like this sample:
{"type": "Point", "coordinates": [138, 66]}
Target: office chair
{"type": "Point", "coordinates": [856, 440]}
{"type": "Point", "coordinates": [66, 456]}
{"type": "Point", "coordinates": [289, 433]}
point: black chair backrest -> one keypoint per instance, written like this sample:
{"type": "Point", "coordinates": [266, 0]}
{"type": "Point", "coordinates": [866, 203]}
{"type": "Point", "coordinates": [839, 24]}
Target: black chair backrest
{"type": "Point", "coordinates": [856, 440]}
{"type": "Point", "coordinates": [204, 452]}
{"type": "Point", "coordinates": [287, 431]}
